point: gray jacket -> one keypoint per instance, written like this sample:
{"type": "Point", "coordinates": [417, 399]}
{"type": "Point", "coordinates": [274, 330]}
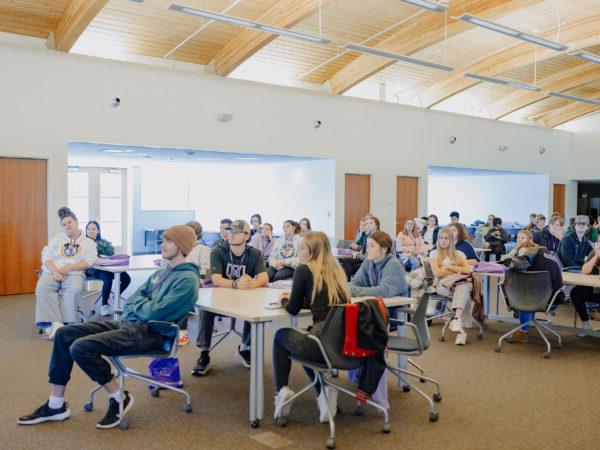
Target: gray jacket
{"type": "Point", "coordinates": [391, 280]}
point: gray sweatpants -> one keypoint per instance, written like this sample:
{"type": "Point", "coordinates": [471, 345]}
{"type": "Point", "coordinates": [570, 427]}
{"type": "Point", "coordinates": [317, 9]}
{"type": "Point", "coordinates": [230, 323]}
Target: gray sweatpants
{"type": "Point", "coordinates": [56, 301]}
{"type": "Point", "coordinates": [461, 299]}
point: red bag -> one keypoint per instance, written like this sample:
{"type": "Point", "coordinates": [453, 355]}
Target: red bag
{"type": "Point", "coordinates": [351, 347]}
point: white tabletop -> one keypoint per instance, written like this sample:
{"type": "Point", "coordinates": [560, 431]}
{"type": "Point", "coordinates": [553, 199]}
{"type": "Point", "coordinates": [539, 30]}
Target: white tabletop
{"type": "Point", "coordinates": [575, 278]}
{"type": "Point", "coordinates": [250, 304]}
{"type": "Point", "coordinates": [140, 262]}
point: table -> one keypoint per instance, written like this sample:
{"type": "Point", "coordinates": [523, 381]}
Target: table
{"type": "Point", "coordinates": [249, 305]}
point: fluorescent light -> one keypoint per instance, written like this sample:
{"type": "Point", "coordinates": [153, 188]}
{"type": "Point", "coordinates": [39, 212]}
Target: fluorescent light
{"type": "Point", "coordinates": [247, 158]}
{"type": "Point", "coordinates": [431, 6]}
{"type": "Point", "coordinates": [474, 20]}
{"type": "Point", "coordinates": [397, 57]}
{"type": "Point", "coordinates": [249, 24]}
{"type": "Point", "coordinates": [575, 98]}
{"type": "Point", "coordinates": [117, 150]}
{"type": "Point", "coordinates": [587, 56]}
{"type": "Point", "coordinates": [516, 84]}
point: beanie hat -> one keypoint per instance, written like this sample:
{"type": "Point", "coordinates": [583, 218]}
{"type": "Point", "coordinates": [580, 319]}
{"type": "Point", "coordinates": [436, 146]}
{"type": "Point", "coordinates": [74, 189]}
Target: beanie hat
{"type": "Point", "coordinates": [183, 235]}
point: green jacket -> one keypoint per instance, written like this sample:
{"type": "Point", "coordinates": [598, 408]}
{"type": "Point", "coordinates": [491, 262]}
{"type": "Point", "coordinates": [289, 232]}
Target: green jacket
{"type": "Point", "coordinates": [104, 248]}
{"type": "Point", "coordinates": [170, 301]}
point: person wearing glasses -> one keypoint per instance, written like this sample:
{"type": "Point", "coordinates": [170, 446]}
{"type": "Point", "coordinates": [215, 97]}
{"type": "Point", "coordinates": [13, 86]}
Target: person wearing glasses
{"type": "Point", "coordinates": [575, 247]}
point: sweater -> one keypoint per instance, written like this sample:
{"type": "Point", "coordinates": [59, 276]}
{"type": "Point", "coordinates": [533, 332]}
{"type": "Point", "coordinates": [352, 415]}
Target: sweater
{"type": "Point", "coordinates": [467, 248]}
{"type": "Point", "coordinates": [434, 235]}
{"type": "Point", "coordinates": [286, 249]}
{"type": "Point", "coordinates": [262, 242]}
{"type": "Point", "coordinates": [104, 247]}
{"type": "Point", "coordinates": [572, 251]}
{"type": "Point", "coordinates": [62, 250]}
{"type": "Point", "coordinates": [385, 278]}
{"type": "Point", "coordinates": [405, 243]}
{"type": "Point", "coordinates": [200, 255]}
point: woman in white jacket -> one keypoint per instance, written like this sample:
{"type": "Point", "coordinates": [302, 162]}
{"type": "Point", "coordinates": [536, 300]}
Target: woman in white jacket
{"type": "Point", "coordinates": [64, 261]}
{"type": "Point", "coordinates": [284, 256]}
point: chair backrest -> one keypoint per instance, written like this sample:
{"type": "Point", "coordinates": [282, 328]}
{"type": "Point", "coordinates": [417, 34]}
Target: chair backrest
{"type": "Point", "coordinates": [528, 291]}
{"type": "Point", "coordinates": [478, 241]}
{"type": "Point", "coordinates": [342, 243]}
{"type": "Point", "coordinates": [419, 319]}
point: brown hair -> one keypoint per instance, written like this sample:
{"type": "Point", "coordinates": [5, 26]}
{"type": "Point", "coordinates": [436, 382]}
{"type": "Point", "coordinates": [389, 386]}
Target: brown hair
{"type": "Point", "coordinates": [197, 228]}
{"type": "Point", "coordinates": [294, 224]}
{"type": "Point", "coordinates": [462, 233]}
{"type": "Point", "coordinates": [415, 231]}
{"type": "Point", "coordinates": [66, 212]}
{"type": "Point", "coordinates": [529, 243]}
{"type": "Point", "coordinates": [450, 252]}
{"type": "Point", "coordinates": [383, 240]}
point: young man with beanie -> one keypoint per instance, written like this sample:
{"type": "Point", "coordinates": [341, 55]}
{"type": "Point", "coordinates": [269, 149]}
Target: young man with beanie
{"type": "Point", "coordinates": [234, 265]}
{"type": "Point", "coordinates": [574, 247]}
{"type": "Point", "coordinates": [168, 295]}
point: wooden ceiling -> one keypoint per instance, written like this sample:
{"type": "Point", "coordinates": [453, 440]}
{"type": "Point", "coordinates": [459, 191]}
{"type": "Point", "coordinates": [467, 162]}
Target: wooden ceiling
{"type": "Point", "coordinates": [125, 29]}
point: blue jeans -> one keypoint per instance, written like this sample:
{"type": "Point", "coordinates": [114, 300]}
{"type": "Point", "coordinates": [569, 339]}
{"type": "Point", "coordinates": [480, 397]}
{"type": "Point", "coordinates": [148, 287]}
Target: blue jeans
{"type": "Point", "coordinates": [107, 282]}
{"type": "Point", "coordinates": [525, 317]}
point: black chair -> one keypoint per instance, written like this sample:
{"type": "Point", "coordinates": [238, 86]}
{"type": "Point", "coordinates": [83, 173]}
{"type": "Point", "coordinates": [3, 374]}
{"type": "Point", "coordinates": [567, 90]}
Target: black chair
{"type": "Point", "coordinates": [529, 291]}
{"type": "Point", "coordinates": [331, 342]}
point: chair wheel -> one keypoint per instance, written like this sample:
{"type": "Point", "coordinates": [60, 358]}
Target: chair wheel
{"type": "Point", "coordinates": [429, 322]}
{"type": "Point", "coordinates": [359, 411]}
{"type": "Point", "coordinates": [123, 425]}
{"type": "Point", "coordinates": [437, 397]}
{"type": "Point", "coordinates": [255, 423]}
{"type": "Point", "coordinates": [547, 355]}
{"type": "Point", "coordinates": [40, 331]}
{"type": "Point", "coordinates": [281, 421]}
{"type": "Point", "coordinates": [155, 392]}
{"type": "Point", "coordinates": [498, 349]}
{"type": "Point", "coordinates": [405, 388]}
{"type": "Point", "coordinates": [433, 417]}
{"type": "Point", "coordinates": [422, 380]}
{"type": "Point", "coordinates": [479, 335]}
{"type": "Point", "coordinates": [335, 373]}
{"type": "Point", "coordinates": [187, 407]}
{"type": "Point", "coordinates": [441, 339]}
{"type": "Point", "coordinates": [330, 443]}
{"type": "Point", "coordinates": [559, 345]}
{"type": "Point", "coordinates": [89, 407]}
{"type": "Point", "coordinates": [387, 428]}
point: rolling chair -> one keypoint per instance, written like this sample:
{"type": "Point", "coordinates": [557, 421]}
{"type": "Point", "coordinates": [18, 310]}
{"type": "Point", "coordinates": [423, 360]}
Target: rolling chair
{"type": "Point", "coordinates": [529, 291]}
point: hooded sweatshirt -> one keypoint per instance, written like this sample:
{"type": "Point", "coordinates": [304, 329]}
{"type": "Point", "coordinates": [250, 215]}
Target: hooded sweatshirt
{"type": "Point", "coordinates": [167, 295]}
{"type": "Point", "coordinates": [286, 249]}
{"type": "Point", "coordinates": [385, 278]}
{"type": "Point", "coordinates": [262, 242]}
{"type": "Point", "coordinates": [62, 250]}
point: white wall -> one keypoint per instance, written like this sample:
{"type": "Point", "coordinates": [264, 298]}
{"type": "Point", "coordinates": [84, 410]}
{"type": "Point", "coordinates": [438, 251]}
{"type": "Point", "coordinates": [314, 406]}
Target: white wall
{"type": "Point", "coordinates": [51, 98]}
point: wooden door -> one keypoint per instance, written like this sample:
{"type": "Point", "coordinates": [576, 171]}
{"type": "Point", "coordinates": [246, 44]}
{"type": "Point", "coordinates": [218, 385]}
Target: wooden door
{"type": "Point", "coordinates": [558, 199]}
{"type": "Point", "coordinates": [23, 223]}
{"type": "Point", "coordinates": [407, 200]}
{"type": "Point", "coordinates": [357, 202]}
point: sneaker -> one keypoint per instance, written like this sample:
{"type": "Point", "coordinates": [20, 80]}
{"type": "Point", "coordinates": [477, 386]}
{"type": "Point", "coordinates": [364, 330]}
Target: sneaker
{"type": "Point", "coordinates": [323, 404]}
{"type": "Point", "coordinates": [245, 357]}
{"type": "Point", "coordinates": [594, 315]}
{"type": "Point", "coordinates": [455, 326]}
{"type": "Point", "coordinates": [184, 339]}
{"type": "Point", "coordinates": [281, 410]}
{"type": "Point", "coordinates": [202, 365]}
{"type": "Point", "coordinates": [46, 414]}
{"type": "Point", "coordinates": [585, 326]}
{"type": "Point", "coordinates": [520, 336]}
{"type": "Point", "coordinates": [105, 310]}
{"type": "Point", "coordinates": [50, 332]}
{"type": "Point", "coordinates": [112, 418]}
{"type": "Point", "coordinates": [461, 338]}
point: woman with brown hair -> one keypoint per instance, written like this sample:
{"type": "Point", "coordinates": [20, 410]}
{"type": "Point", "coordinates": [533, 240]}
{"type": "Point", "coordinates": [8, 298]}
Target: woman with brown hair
{"type": "Point", "coordinates": [319, 282]}
{"type": "Point", "coordinates": [462, 244]}
{"type": "Point", "coordinates": [351, 265]}
{"type": "Point", "coordinates": [284, 256]}
{"type": "Point", "coordinates": [410, 245]}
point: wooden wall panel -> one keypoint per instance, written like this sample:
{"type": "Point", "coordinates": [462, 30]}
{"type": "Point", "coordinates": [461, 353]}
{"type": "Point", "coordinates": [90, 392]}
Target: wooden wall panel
{"type": "Point", "coordinates": [558, 199]}
{"type": "Point", "coordinates": [357, 202]}
{"type": "Point", "coordinates": [407, 200]}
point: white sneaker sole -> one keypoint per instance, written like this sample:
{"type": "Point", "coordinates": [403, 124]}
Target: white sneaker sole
{"type": "Point", "coordinates": [285, 410]}
{"type": "Point", "coordinates": [54, 418]}
{"type": "Point", "coordinates": [115, 424]}
{"type": "Point", "coordinates": [244, 363]}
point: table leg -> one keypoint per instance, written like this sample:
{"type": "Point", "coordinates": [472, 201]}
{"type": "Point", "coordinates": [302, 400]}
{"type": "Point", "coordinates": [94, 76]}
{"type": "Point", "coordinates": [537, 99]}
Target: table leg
{"type": "Point", "coordinates": [295, 321]}
{"type": "Point", "coordinates": [253, 375]}
{"type": "Point", "coordinates": [117, 302]}
{"type": "Point", "coordinates": [260, 361]}
{"type": "Point", "coordinates": [401, 332]}
{"type": "Point", "coordinates": [486, 298]}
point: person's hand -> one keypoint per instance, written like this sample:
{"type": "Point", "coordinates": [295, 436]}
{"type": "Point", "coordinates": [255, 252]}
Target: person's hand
{"type": "Point", "coordinates": [558, 234]}
{"type": "Point", "coordinates": [283, 296]}
{"type": "Point", "coordinates": [596, 246]}
{"type": "Point", "coordinates": [65, 269]}
{"type": "Point", "coordinates": [245, 282]}
{"type": "Point", "coordinates": [58, 276]}
{"type": "Point", "coordinates": [353, 246]}
{"type": "Point", "coordinates": [496, 234]}
{"type": "Point", "coordinates": [279, 265]}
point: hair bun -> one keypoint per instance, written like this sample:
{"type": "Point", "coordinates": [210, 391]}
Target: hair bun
{"type": "Point", "coordinates": [66, 212]}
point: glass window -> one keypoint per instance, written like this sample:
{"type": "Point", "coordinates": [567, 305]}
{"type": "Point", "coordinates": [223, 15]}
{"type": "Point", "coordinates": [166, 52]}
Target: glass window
{"type": "Point", "coordinates": [110, 185]}
{"type": "Point", "coordinates": [78, 184]}
{"type": "Point", "coordinates": [110, 209]}
{"type": "Point", "coordinates": [81, 207]}
{"type": "Point", "coordinates": [113, 232]}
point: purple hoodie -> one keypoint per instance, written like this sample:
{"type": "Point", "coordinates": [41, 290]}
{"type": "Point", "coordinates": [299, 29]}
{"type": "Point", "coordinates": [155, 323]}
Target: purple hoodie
{"type": "Point", "coordinates": [262, 243]}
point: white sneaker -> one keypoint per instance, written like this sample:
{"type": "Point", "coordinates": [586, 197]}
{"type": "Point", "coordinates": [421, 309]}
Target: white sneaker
{"type": "Point", "coordinates": [281, 410]}
{"type": "Point", "coordinates": [52, 329]}
{"type": "Point", "coordinates": [586, 326]}
{"type": "Point", "coordinates": [105, 310]}
{"type": "Point", "coordinates": [455, 326]}
{"type": "Point", "coordinates": [461, 338]}
{"type": "Point", "coordinates": [323, 404]}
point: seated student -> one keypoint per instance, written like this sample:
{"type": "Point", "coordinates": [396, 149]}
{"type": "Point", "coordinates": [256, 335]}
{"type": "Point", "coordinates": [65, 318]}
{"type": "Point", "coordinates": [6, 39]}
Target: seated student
{"type": "Point", "coordinates": [539, 224]}
{"type": "Point", "coordinates": [168, 295]}
{"type": "Point", "coordinates": [410, 245]}
{"type": "Point", "coordinates": [256, 224]}
{"type": "Point", "coordinates": [551, 235]}
{"type": "Point", "coordinates": [233, 265]}
{"type": "Point", "coordinates": [574, 247]}
{"type": "Point", "coordinates": [449, 266]}
{"type": "Point", "coordinates": [361, 236]}
{"type": "Point", "coordinates": [304, 225]}
{"type": "Point", "coordinates": [284, 256]}
{"type": "Point", "coordinates": [571, 227]}
{"type": "Point", "coordinates": [319, 283]}
{"type": "Point", "coordinates": [351, 265]}
{"type": "Point", "coordinates": [264, 241]}
{"type": "Point", "coordinates": [582, 294]}
{"type": "Point", "coordinates": [224, 225]}
{"type": "Point", "coordinates": [497, 238]}
{"type": "Point", "coordinates": [430, 231]}
{"type": "Point", "coordinates": [462, 244]}
{"type": "Point", "coordinates": [64, 261]}
{"type": "Point", "coordinates": [104, 248]}
{"type": "Point", "coordinates": [454, 218]}
{"type": "Point", "coordinates": [592, 232]}
{"type": "Point", "coordinates": [483, 229]}
{"type": "Point", "coordinates": [532, 222]}
{"type": "Point", "coordinates": [200, 254]}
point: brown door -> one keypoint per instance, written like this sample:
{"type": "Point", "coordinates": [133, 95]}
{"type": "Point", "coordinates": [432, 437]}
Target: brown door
{"type": "Point", "coordinates": [357, 203]}
{"type": "Point", "coordinates": [558, 199]}
{"type": "Point", "coordinates": [407, 200]}
{"type": "Point", "coordinates": [23, 223]}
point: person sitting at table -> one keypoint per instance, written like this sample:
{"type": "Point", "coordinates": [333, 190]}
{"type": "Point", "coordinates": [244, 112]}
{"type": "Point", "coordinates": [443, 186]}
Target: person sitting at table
{"type": "Point", "coordinates": [410, 245]}
{"type": "Point", "coordinates": [351, 265]}
{"type": "Point", "coordinates": [430, 231]}
{"type": "Point", "coordinates": [482, 229]}
{"type": "Point", "coordinates": [319, 282]}
{"type": "Point", "coordinates": [539, 224]}
{"type": "Point", "coordinates": [168, 295]}
{"type": "Point", "coordinates": [551, 235]}
{"type": "Point", "coordinates": [64, 261]}
{"type": "Point", "coordinates": [592, 232]}
{"type": "Point", "coordinates": [304, 225]}
{"type": "Point", "coordinates": [574, 247]}
{"type": "Point", "coordinates": [200, 254]}
{"type": "Point", "coordinates": [361, 238]}
{"type": "Point", "coordinates": [264, 241]}
{"type": "Point", "coordinates": [233, 265]}
{"type": "Point", "coordinates": [532, 222]}
{"type": "Point", "coordinates": [104, 248]}
{"type": "Point", "coordinates": [284, 256]}
{"type": "Point", "coordinates": [256, 224]}
{"type": "Point", "coordinates": [462, 244]}
{"type": "Point", "coordinates": [225, 223]}
{"type": "Point", "coordinates": [450, 268]}
{"type": "Point", "coordinates": [497, 238]}
{"type": "Point", "coordinates": [582, 294]}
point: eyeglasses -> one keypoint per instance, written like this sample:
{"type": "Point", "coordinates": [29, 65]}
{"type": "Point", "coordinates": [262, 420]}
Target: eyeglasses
{"type": "Point", "coordinates": [581, 223]}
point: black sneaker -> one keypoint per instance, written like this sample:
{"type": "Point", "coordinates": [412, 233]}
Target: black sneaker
{"type": "Point", "coordinates": [245, 357]}
{"type": "Point", "coordinates": [202, 365]}
{"type": "Point", "coordinates": [46, 414]}
{"type": "Point", "coordinates": [112, 418]}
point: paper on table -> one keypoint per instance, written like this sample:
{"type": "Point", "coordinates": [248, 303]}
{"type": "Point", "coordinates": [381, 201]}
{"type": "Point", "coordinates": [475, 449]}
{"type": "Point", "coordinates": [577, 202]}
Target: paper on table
{"type": "Point", "coordinates": [274, 305]}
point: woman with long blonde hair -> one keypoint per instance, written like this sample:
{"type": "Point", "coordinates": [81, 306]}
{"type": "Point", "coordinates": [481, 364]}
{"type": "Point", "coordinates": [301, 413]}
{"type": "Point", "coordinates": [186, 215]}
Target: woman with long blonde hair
{"type": "Point", "coordinates": [319, 282]}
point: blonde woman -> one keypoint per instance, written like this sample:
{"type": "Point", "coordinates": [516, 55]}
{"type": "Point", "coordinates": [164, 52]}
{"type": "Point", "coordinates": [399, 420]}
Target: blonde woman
{"type": "Point", "coordinates": [410, 245]}
{"type": "Point", "coordinates": [319, 282]}
{"type": "Point", "coordinates": [451, 269]}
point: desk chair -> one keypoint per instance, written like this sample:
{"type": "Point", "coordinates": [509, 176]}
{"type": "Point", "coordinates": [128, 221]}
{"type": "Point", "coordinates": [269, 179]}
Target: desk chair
{"type": "Point", "coordinates": [343, 243]}
{"type": "Point", "coordinates": [331, 342]}
{"type": "Point", "coordinates": [529, 291]}
{"type": "Point", "coordinates": [169, 351]}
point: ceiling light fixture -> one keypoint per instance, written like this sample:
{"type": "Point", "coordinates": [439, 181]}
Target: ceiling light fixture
{"type": "Point", "coordinates": [515, 84]}
{"type": "Point", "coordinates": [249, 24]}
{"type": "Point", "coordinates": [117, 150]}
{"type": "Point", "coordinates": [397, 57]}
{"type": "Point", "coordinates": [587, 56]}
{"type": "Point", "coordinates": [474, 20]}
{"type": "Point", "coordinates": [431, 6]}
{"type": "Point", "coordinates": [575, 98]}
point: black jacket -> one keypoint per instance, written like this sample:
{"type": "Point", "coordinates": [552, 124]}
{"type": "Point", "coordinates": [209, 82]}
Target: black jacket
{"type": "Point", "coordinates": [435, 234]}
{"type": "Point", "coordinates": [572, 251]}
{"type": "Point", "coordinates": [497, 243]}
{"type": "Point", "coordinates": [546, 239]}
{"type": "Point", "coordinates": [372, 334]}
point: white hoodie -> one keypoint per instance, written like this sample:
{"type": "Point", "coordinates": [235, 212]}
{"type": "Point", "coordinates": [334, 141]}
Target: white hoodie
{"type": "Point", "coordinates": [62, 250]}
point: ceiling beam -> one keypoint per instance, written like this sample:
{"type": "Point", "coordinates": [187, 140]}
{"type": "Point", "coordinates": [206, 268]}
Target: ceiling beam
{"type": "Point", "coordinates": [282, 14]}
{"type": "Point", "coordinates": [78, 15]}
{"type": "Point", "coordinates": [420, 32]}
{"type": "Point", "coordinates": [569, 112]}
{"type": "Point", "coordinates": [561, 81]}
{"type": "Point", "coordinates": [576, 35]}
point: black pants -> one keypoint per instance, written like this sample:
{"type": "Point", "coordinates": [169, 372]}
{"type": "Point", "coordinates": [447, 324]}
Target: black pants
{"type": "Point", "coordinates": [207, 324]}
{"type": "Point", "coordinates": [350, 266]}
{"type": "Point", "coordinates": [497, 250]}
{"type": "Point", "coordinates": [284, 273]}
{"type": "Point", "coordinates": [580, 295]}
{"type": "Point", "coordinates": [107, 281]}
{"type": "Point", "coordinates": [85, 344]}
{"type": "Point", "coordinates": [289, 341]}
